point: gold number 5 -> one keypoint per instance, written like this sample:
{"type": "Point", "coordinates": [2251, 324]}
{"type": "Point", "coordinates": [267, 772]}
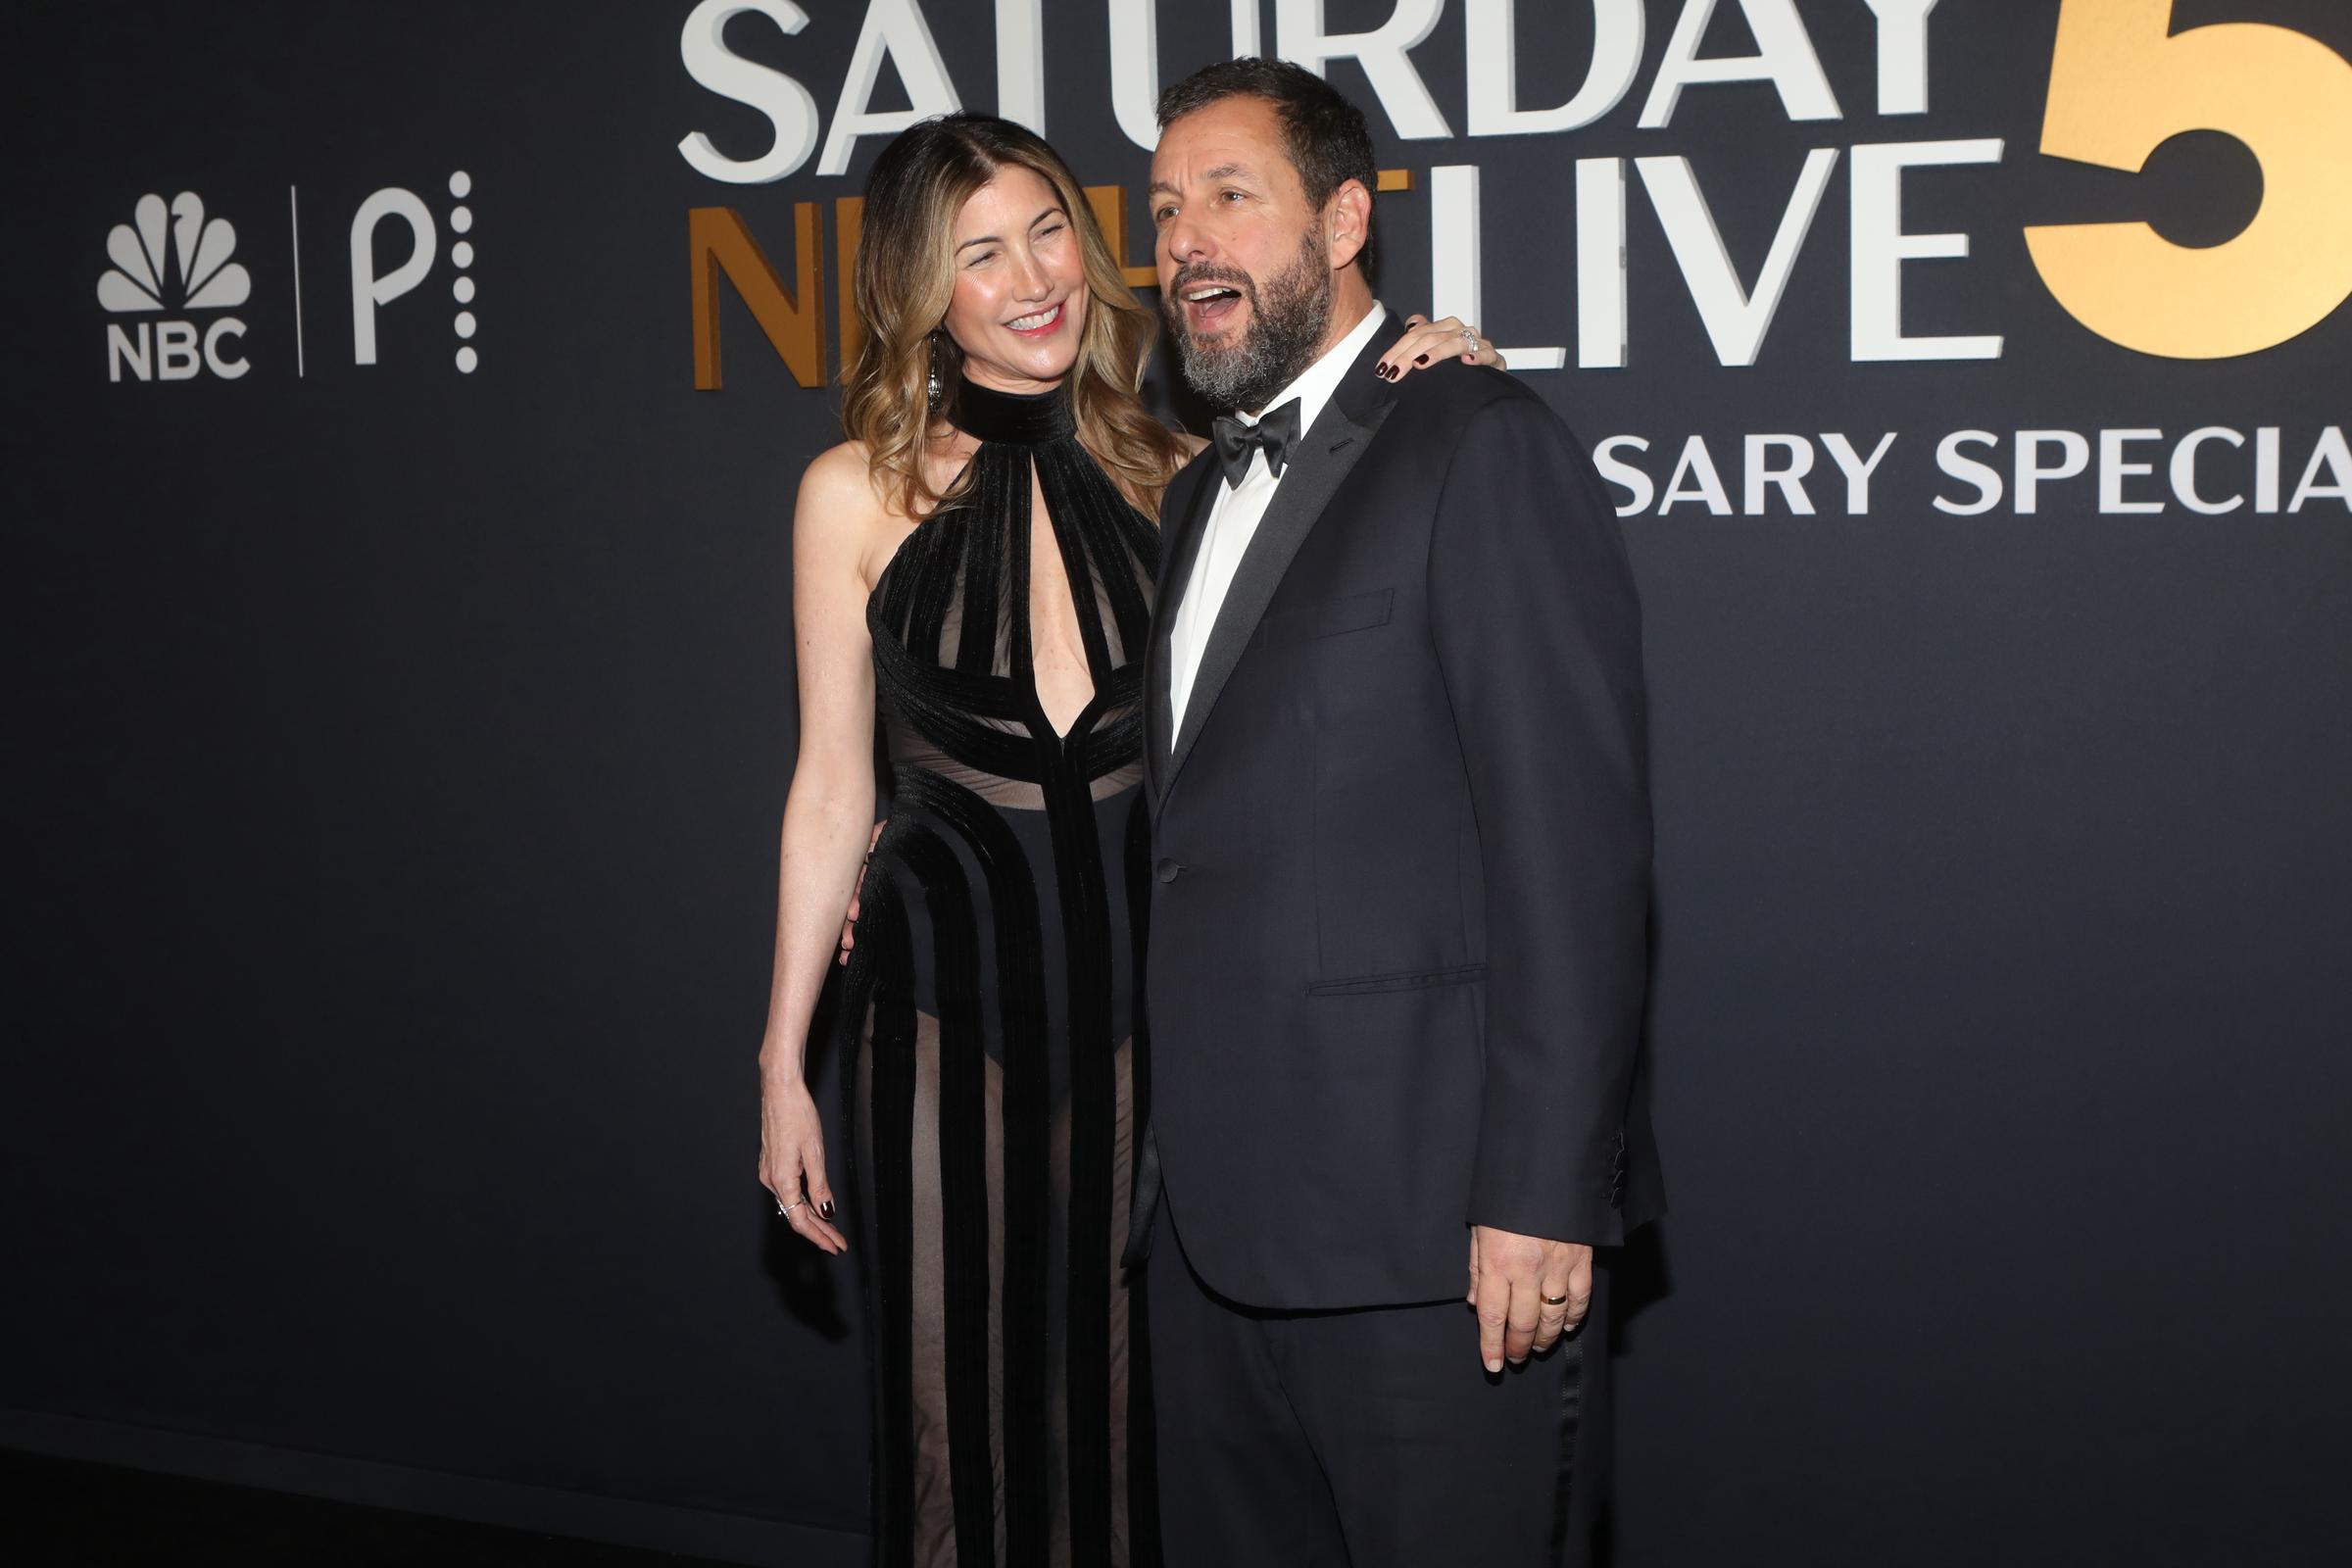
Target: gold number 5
{"type": "Point", "coordinates": [2121, 83]}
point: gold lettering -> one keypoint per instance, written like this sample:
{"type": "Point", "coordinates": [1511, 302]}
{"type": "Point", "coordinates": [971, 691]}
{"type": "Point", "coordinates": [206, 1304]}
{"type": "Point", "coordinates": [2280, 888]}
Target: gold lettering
{"type": "Point", "coordinates": [794, 321]}
{"type": "Point", "coordinates": [1109, 203]}
{"type": "Point", "coordinates": [849, 221]}
{"type": "Point", "coordinates": [2122, 83]}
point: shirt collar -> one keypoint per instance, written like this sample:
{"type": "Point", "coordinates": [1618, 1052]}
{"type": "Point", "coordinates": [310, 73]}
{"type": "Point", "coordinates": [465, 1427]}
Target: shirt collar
{"type": "Point", "coordinates": [1316, 384]}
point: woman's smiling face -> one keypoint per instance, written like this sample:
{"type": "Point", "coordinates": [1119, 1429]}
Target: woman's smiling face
{"type": "Point", "coordinates": [1020, 295]}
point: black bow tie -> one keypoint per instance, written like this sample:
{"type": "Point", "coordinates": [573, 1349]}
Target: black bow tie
{"type": "Point", "coordinates": [1277, 432]}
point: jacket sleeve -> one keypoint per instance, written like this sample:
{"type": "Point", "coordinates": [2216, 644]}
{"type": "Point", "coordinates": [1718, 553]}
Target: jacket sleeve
{"type": "Point", "coordinates": [1538, 636]}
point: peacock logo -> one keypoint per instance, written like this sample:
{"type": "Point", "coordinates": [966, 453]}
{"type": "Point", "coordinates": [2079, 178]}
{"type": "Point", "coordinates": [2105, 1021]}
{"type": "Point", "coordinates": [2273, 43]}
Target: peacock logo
{"type": "Point", "coordinates": [172, 258]}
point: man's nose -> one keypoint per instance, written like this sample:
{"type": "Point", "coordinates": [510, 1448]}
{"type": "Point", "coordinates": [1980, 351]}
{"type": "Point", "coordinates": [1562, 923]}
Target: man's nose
{"type": "Point", "coordinates": [1185, 243]}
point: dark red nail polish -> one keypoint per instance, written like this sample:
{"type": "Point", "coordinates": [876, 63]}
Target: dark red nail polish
{"type": "Point", "coordinates": [825, 1209]}
{"type": "Point", "coordinates": [1381, 371]}
{"type": "Point", "coordinates": [1421, 359]}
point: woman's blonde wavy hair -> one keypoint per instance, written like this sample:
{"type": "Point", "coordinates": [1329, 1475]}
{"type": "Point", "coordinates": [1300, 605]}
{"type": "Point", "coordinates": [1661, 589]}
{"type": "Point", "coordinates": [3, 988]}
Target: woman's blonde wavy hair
{"type": "Point", "coordinates": [907, 276]}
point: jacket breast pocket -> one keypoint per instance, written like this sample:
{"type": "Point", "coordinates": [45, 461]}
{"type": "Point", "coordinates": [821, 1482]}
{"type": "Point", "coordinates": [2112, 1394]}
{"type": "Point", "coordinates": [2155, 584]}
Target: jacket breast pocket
{"type": "Point", "coordinates": [1402, 980]}
{"type": "Point", "coordinates": [1329, 618]}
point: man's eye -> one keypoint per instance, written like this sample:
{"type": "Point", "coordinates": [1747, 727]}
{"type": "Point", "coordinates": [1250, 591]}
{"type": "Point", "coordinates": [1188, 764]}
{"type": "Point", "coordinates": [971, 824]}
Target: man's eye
{"type": "Point", "coordinates": [1161, 214]}
{"type": "Point", "coordinates": [1230, 195]}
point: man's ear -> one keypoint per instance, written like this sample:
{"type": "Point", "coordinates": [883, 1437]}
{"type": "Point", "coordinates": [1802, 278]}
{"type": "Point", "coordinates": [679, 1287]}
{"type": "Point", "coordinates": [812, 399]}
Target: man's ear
{"type": "Point", "coordinates": [1346, 221]}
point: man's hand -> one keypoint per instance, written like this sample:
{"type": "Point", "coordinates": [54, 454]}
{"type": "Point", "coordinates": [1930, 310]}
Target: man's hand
{"type": "Point", "coordinates": [1528, 1291]}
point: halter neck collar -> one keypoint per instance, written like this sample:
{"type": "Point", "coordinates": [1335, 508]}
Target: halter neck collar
{"type": "Point", "coordinates": [1022, 420]}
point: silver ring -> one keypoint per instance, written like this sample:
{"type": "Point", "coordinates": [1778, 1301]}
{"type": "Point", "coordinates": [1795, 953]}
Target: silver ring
{"type": "Point", "coordinates": [1470, 336]}
{"type": "Point", "coordinates": [784, 1210]}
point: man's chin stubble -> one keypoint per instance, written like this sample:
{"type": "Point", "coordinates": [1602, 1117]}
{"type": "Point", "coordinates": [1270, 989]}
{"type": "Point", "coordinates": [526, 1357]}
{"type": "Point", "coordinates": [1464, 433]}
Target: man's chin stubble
{"type": "Point", "coordinates": [1233, 369]}
{"type": "Point", "coordinates": [1287, 319]}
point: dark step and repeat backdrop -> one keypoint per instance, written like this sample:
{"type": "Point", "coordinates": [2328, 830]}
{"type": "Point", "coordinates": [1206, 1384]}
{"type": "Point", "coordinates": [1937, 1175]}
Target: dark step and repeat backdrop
{"type": "Point", "coordinates": [407, 409]}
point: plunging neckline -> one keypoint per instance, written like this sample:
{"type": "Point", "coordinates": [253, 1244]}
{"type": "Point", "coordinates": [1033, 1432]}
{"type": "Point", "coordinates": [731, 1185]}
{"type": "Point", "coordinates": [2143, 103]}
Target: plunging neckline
{"type": "Point", "coordinates": [1028, 421]}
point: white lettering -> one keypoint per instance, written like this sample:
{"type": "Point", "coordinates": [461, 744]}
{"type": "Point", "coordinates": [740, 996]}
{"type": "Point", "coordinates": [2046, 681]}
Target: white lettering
{"type": "Point", "coordinates": [2336, 458]}
{"type": "Point", "coordinates": [1490, 43]}
{"type": "Point", "coordinates": [1784, 57]}
{"type": "Point", "coordinates": [1021, 62]}
{"type": "Point", "coordinates": [1624, 475]}
{"type": "Point", "coordinates": [1135, 71]}
{"type": "Point", "coordinates": [1698, 467]}
{"type": "Point", "coordinates": [123, 349]}
{"type": "Point", "coordinates": [1987, 479]}
{"type": "Point", "coordinates": [2114, 470]}
{"type": "Point", "coordinates": [227, 368]}
{"type": "Point", "coordinates": [175, 354]}
{"type": "Point", "coordinates": [702, 46]}
{"type": "Point", "coordinates": [1761, 474]}
{"type": "Point", "coordinates": [1299, 36]}
{"type": "Point", "coordinates": [2073, 456]}
{"type": "Point", "coordinates": [1736, 319]}
{"type": "Point", "coordinates": [1600, 333]}
{"type": "Point", "coordinates": [1856, 471]}
{"type": "Point", "coordinates": [2184, 470]}
{"type": "Point", "coordinates": [367, 289]}
{"type": "Point", "coordinates": [1880, 247]}
{"type": "Point", "coordinates": [894, 30]}
{"type": "Point", "coordinates": [1135, 63]}
{"type": "Point", "coordinates": [1456, 270]}
{"type": "Point", "coordinates": [1902, 54]}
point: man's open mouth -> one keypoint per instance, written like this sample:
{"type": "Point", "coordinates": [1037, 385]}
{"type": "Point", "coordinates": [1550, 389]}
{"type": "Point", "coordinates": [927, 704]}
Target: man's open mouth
{"type": "Point", "coordinates": [1207, 306]}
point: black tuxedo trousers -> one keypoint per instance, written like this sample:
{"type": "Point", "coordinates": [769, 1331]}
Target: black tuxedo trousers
{"type": "Point", "coordinates": [1369, 1437]}
{"type": "Point", "coordinates": [1399, 952]}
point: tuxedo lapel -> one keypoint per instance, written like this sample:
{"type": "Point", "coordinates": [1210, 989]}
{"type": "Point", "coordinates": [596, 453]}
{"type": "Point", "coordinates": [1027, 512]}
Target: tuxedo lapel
{"type": "Point", "coordinates": [1183, 518]}
{"type": "Point", "coordinates": [1326, 454]}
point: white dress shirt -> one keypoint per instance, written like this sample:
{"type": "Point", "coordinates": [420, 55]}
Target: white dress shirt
{"type": "Point", "coordinates": [1234, 518]}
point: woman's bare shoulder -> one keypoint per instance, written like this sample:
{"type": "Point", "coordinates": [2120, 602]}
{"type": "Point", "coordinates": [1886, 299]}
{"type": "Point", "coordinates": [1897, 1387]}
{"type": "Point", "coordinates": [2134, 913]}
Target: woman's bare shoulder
{"type": "Point", "coordinates": [842, 477]}
{"type": "Point", "coordinates": [843, 520]}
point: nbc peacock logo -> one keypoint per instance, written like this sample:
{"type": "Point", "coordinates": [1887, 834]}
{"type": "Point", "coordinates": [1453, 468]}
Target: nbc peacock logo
{"type": "Point", "coordinates": [173, 260]}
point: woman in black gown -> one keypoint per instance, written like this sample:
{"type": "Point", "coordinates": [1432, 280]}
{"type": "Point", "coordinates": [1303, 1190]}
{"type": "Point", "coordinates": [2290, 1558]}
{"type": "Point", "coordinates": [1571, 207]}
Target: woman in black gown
{"type": "Point", "coordinates": [975, 565]}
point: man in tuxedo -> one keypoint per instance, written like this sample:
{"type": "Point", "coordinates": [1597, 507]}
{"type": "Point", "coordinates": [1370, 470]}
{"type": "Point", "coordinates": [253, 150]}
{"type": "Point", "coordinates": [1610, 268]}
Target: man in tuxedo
{"type": "Point", "coordinates": [1398, 945]}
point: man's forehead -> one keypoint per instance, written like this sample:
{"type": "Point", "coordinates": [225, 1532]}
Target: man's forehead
{"type": "Point", "coordinates": [1238, 136]}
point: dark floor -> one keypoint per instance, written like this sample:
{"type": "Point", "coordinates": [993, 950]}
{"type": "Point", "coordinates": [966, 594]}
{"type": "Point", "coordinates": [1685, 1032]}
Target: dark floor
{"type": "Point", "coordinates": [56, 1512]}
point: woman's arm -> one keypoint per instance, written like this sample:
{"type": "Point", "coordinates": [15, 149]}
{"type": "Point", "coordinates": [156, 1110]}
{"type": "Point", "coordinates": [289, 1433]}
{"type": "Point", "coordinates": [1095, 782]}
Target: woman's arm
{"type": "Point", "coordinates": [828, 818]}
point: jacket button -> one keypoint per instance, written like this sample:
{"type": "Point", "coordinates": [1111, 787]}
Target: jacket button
{"type": "Point", "coordinates": [1169, 870]}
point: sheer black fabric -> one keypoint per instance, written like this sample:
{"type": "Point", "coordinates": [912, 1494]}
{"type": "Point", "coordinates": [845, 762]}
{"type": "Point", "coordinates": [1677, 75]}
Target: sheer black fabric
{"type": "Point", "coordinates": [1001, 1062]}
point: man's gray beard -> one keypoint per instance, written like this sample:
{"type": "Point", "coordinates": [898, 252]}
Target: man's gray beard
{"type": "Point", "coordinates": [1287, 322]}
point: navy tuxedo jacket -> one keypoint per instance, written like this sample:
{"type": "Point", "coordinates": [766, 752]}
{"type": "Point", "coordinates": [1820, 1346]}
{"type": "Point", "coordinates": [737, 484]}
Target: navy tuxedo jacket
{"type": "Point", "coordinates": [1398, 946]}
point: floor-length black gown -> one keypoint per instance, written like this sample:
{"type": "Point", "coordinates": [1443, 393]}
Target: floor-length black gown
{"type": "Point", "coordinates": [993, 989]}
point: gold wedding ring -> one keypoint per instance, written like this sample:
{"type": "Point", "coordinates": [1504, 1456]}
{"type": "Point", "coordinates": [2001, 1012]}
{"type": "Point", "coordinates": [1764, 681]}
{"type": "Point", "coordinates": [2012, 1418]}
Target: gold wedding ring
{"type": "Point", "coordinates": [1555, 1300]}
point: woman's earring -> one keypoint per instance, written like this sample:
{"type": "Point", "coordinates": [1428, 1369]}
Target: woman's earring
{"type": "Point", "coordinates": [937, 391]}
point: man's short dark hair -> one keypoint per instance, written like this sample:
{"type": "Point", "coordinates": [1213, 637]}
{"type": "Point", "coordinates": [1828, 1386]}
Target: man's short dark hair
{"type": "Point", "coordinates": [1322, 132]}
